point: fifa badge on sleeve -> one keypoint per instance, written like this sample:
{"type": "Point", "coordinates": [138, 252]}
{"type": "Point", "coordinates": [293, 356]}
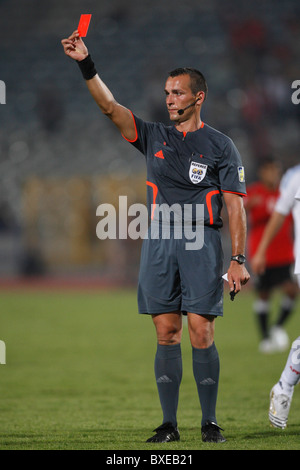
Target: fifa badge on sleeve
{"type": "Point", "coordinates": [241, 173]}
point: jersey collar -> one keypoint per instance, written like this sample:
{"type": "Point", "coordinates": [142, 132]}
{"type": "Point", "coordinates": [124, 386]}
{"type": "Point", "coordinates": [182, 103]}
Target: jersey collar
{"type": "Point", "coordinates": [183, 134]}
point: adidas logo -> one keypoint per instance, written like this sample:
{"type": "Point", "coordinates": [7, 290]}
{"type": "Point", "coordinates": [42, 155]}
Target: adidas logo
{"type": "Point", "coordinates": [164, 379]}
{"type": "Point", "coordinates": [159, 154]}
{"type": "Point", "coordinates": [207, 381]}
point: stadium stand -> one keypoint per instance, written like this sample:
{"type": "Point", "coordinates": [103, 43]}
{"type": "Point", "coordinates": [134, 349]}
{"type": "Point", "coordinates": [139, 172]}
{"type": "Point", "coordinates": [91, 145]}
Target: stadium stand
{"type": "Point", "coordinates": [52, 131]}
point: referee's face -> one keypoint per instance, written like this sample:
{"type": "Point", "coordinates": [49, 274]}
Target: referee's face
{"type": "Point", "coordinates": [178, 96]}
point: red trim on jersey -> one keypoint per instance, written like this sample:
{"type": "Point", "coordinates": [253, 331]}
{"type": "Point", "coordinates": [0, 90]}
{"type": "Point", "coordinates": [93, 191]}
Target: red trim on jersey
{"type": "Point", "coordinates": [159, 154]}
{"type": "Point", "coordinates": [209, 206]}
{"type": "Point", "coordinates": [233, 192]}
{"type": "Point", "coordinates": [136, 132]}
{"type": "Point", "coordinates": [186, 132]}
{"type": "Point", "coordinates": [155, 191]}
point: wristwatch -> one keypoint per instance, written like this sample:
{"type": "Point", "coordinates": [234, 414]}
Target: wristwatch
{"type": "Point", "coordinates": [239, 258]}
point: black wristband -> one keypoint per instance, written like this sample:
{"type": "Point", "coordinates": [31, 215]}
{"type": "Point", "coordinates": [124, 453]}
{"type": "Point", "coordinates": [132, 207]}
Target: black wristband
{"type": "Point", "coordinates": [87, 68]}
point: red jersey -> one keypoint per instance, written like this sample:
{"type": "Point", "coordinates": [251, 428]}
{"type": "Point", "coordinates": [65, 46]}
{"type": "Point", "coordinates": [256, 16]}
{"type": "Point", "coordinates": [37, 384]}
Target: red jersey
{"type": "Point", "coordinates": [259, 205]}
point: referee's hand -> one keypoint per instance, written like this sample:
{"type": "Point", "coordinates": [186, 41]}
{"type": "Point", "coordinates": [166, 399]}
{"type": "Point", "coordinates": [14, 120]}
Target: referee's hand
{"type": "Point", "coordinates": [237, 276]}
{"type": "Point", "coordinates": [74, 47]}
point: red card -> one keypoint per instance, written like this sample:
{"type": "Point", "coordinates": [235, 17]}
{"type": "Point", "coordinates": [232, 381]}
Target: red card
{"type": "Point", "coordinates": [83, 26]}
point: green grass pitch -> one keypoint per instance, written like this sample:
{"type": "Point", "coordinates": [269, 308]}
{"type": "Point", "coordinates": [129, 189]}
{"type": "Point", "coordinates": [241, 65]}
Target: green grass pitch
{"type": "Point", "coordinates": [79, 376]}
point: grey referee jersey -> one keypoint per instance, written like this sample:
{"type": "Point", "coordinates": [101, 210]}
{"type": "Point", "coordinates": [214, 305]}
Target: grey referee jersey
{"type": "Point", "coordinates": [189, 168]}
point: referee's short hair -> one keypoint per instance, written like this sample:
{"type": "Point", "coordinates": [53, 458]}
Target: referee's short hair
{"type": "Point", "coordinates": [198, 82]}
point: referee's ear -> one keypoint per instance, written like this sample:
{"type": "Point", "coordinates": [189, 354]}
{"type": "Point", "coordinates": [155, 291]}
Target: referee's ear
{"type": "Point", "coordinates": [202, 95]}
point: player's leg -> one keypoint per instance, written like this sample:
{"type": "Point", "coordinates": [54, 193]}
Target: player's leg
{"type": "Point", "coordinates": [201, 330]}
{"type": "Point", "coordinates": [275, 338]}
{"type": "Point", "coordinates": [206, 368]}
{"type": "Point", "coordinates": [290, 291]}
{"type": "Point", "coordinates": [168, 372]}
{"type": "Point", "coordinates": [202, 298]}
{"type": "Point", "coordinates": [261, 308]}
{"type": "Point", "coordinates": [282, 392]}
{"type": "Point", "coordinates": [158, 292]}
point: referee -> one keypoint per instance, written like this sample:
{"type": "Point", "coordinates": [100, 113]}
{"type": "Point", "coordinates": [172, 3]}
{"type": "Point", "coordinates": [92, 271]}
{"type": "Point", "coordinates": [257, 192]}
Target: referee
{"type": "Point", "coordinates": [189, 164]}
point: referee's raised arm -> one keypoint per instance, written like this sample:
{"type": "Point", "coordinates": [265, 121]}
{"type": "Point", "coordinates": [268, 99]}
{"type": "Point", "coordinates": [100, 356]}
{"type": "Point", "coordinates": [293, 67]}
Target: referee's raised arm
{"type": "Point", "coordinates": [75, 48]}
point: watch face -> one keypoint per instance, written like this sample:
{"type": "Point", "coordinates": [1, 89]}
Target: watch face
{"type": "Point", "coordinates": [239, 258]}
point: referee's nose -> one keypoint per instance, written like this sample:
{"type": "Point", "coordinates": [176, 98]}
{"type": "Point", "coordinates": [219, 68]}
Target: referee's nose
{"type": "Point", "coordinates": [169, 100]}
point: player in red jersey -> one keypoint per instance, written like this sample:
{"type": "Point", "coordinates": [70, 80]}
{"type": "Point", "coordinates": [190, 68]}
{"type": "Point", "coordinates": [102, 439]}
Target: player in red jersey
{"type": "Point", "coordinates": [259, 205]}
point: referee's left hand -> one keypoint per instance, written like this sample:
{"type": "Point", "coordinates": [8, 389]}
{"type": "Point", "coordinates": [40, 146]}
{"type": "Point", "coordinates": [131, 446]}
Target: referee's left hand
{"type": "Point", "coordinates": [237, 276]}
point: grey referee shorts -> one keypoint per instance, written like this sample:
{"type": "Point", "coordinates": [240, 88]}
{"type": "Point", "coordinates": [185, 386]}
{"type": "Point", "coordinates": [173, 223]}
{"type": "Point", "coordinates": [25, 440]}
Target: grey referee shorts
{"type": "Point", "coordinates": [173, 278]}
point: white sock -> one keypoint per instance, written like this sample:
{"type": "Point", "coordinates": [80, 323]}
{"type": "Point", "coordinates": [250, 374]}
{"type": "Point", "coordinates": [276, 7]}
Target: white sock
{"type": "Point", "coordinates": [291, 373]}
{"type": "Point", "coordinates": [261, 306]}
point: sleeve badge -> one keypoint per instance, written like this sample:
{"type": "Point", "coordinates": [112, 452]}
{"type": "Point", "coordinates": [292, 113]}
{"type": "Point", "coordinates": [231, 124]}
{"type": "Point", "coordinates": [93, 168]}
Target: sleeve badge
{"type": "Point", "coordinates": [241, 173]}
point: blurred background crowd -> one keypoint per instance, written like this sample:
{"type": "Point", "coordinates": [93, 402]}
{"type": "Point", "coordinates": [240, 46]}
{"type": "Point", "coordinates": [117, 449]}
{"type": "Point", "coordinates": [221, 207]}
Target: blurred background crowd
{"type": "Point", "coordinates": [60, 158]}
